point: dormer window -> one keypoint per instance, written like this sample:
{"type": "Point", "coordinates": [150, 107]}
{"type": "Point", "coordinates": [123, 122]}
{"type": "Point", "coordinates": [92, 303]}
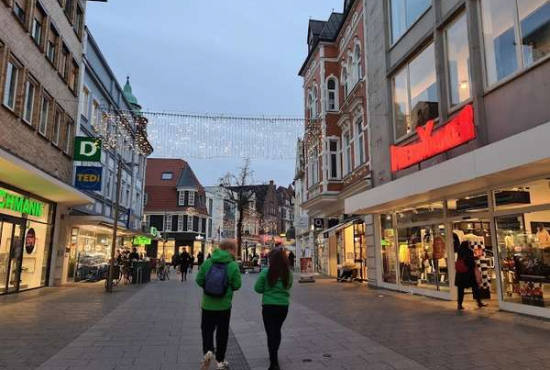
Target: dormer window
{"type": "Point", "coordinates": [167, 176]}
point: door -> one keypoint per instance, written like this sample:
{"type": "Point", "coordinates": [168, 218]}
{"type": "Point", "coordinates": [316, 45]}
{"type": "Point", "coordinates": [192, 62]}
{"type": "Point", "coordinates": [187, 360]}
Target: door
{"type": "Point", "coordinates": [10, 256]}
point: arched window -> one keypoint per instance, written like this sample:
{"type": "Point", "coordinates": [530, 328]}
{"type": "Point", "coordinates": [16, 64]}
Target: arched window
{"type": "Point", "coordinates": [358, 71]}
{"type": "Point", "coordinates": [332, 94]}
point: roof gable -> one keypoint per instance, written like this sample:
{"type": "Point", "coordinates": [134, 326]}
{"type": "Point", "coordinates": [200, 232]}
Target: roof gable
{"type": "Point", "coordinates": [187, 179]}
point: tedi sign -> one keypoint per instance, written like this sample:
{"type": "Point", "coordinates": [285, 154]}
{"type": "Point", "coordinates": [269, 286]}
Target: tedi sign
{"type": "Point", "coordinates": [17, 203]}
{"type": "Point", "coordinates": [456, 132]}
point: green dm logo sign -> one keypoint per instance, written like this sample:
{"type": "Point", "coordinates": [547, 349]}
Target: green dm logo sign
{"type": "Point", "coordinates": [20, 204]}
{"type": "Point", "coordinates": [87, 149]}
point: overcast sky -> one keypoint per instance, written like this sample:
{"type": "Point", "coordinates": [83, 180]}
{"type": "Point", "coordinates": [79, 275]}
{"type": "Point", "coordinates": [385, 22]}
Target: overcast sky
{"type": "Point", "coordinates": [217, 56]}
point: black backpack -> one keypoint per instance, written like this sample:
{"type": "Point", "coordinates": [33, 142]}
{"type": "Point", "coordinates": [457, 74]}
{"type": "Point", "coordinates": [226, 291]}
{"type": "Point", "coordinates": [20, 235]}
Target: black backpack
{"type": "Point", "coordinates": [216, 282]}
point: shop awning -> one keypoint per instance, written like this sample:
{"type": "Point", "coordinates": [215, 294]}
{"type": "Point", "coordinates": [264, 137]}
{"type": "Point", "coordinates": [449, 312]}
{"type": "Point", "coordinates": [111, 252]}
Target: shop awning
{"type": "Point", "coordinates": [100, 224]}
{"type": "Point", "coordinates": [22, 175]}
{"type": "Point", "coordinates": [341, 225]}
{"type": "Point", "coordinates": [522, 156]}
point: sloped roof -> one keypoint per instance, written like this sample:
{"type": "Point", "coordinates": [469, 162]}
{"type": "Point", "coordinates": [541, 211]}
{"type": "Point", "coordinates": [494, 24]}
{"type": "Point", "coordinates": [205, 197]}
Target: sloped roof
{"type": "Point", "coordinates": [315, 27]}
{"type": "Point", "coordinates": [188, 179]}
{"type": "Point", "coordinates": [330, 30]}
{"type": "Point", "coordinates": [157, 166]}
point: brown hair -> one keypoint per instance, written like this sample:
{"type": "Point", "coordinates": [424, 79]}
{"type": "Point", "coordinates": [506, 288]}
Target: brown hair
{"type": "Point", "coordinates": [278, 268]}
{"type": "Point", "coordinates": [228, 245]}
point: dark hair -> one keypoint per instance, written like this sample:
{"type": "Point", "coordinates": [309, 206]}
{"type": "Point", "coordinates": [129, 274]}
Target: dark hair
{"type": "Point", "coordinates": [278, 268]}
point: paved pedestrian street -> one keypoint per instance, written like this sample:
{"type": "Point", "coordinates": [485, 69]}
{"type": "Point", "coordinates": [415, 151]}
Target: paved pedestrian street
{"type": "Point", "coordinates": [330, 326]}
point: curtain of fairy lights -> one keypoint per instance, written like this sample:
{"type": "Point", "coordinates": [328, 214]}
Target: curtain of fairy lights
{"type": "Point", "coordinates": [180, 135]}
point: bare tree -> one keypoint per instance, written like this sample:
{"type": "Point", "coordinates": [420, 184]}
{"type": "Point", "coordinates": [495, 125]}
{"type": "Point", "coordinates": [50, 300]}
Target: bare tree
{"type": "Point", "coordinates": [239, 189]}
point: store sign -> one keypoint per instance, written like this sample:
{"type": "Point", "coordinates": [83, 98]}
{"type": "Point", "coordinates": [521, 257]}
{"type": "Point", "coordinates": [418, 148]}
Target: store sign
{"type": "Point", "coordinates": [88, 178]}
{"type": "Point", "coordinates": [87, 149]}
{"type": "Point", "coordinates": [20, 204]}
{"type": "Point", "coordinates": [141, 240]}
{"type": "Point", "coordinates": [154, 231]}
{"type": "Point", "coordinates": [30, 241]}
{"type": "Point", "coordinates": [458, 131]}
{"type": "Point", "coordinates": [318, 223]}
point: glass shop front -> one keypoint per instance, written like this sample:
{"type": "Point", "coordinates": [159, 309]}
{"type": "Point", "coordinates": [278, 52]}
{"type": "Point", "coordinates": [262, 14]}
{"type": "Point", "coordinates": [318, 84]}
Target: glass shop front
{"type": "Point", "coordinates": [507, 228]}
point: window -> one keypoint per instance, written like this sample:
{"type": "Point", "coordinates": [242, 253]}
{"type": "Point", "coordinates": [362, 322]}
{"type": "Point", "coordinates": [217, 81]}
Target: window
{"type": "Point", "coordinates": [86, 102]}
{"type": "Point", "coordinates": [357, 70]}
{"type": "Point", "coordinates": [37, 30]}
{"type": "Point", "coordinates": [20, 8]}
{"type": "Point", "coordinates": [180, 223]}
{"type": "Point", "coordinates": [189, 223]}
{"type": "Point", "coordinates": [191, 198]}
{"type": "Point", "coordinates": [167, 176]}
{"type": "Point", "coordinates": [69, 135]}
{"type": "Point", "coordinates": [210, 206]}
{"type": "Point", "coordinates": [79, 21]}
{"type": "Point", "coordinates": [346, 81]}
{"type": "Point", "coordinates": [95, 120]}
{"type": "Point", "coordinates": [73, 77]}
{"type": "Point", "coordinates": [57, 127]}
{"type": "Point", "coordinates": [64, 63]}
{"type": "Point", "coordinates": [347, 152]}
{"type": "Point", "coordinates": [332, 94]}
{"type": "Point", "coordinates": [168, 219]}
{"type": "Point", "coordinates": [415, 97]}
{"type": "Point", "coordinates": [51, 46]}
{"type": "Point", "coordinates": [44, 116]}
{"type": "Point", "coordinates": [313, 166]}
{"type": "Point", "coordinates": [509, 25]}
{"type": "Point", "coordinates": [334, 172]}
{"type": "Point", "coordinates": [69, 7]}
{"type": "Point", "coordinates": [359, 142]}
{"type": "Point", "coordinates": [404, 13]}
{"type": "Point", "coordinates": [312, 103]}
{"type": "Point", "coordinates": [10, 86]}
{"type": "Point", "coordinates": [29, 102]}
{"type": "Point", "coordinates": [209, 235]}
{"type": "Point", "coordinates": [458, 58]}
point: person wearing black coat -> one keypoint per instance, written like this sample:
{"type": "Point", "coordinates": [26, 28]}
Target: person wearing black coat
{"type": "Point", "coordinates": [184, 264]}
{"type": "Point", "coordinates": [467, 279]}
{"type": "Point", "coordinates": [200, 259]}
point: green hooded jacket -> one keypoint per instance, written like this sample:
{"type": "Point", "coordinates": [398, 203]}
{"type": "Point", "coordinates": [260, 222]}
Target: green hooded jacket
{"type": "Point", "coordinates": [277, 295]}
{"type": "Point", "coordinates": [234, 276]}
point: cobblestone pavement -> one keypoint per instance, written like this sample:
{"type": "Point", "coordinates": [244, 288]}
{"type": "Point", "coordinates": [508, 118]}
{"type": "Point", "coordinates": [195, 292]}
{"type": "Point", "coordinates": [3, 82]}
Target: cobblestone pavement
{"type": "Point", "coordinates": [37, 324]}
{"type": "Point", "coordinates": [330, 326]}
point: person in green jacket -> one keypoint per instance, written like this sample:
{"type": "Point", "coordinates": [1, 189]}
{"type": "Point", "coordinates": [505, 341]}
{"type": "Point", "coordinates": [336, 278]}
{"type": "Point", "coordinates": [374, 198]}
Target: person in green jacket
{"type": "Point", "coordinates": [274, 284]}
{"type": "Point", "coordinates": [216, 311]}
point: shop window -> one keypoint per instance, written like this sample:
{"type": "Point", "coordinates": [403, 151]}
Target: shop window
{"type": "Point", "coordinates": [10, 86]}
{"type": "Point", "coordinates": [420, 213]}
{"type": "Point", "coordinates": [524, 250]}
{"type": "Point", "coordinates": [458, 61]}
{"type": "Point", "coordinates": [516, 35]}
{"type": "Point", "coordinates": [415, 95]}
{"type": "Point", "coordinates": [28, 108]}
{"type": "Point", "coordinates": [468, 205]}
{"type": "Point", "coordinates": [388, 249]}
{"type": "Point", "coordinates": [404, 13]}
{"type": "Point", "coordinates": [35, 255]}
{"type": "Point", "coordinates": [535, 193]}
{"type": "Point", "coordinates": [422, 257]}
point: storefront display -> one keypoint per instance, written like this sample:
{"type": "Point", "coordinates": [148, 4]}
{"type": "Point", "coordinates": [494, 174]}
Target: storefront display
{"type": "Point", "coordinates": [93, 251]}
{"type": "Point", "coordinates": [25, 241]}
{"type": "Point", "coordinates": [388, 250]}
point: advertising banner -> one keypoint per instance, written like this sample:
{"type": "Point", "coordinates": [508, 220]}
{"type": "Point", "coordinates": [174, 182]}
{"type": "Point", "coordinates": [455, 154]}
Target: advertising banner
{"type": "Point", "coordinates": [306, 270]}
{"type": "Point", "coordinates": [88, 178]}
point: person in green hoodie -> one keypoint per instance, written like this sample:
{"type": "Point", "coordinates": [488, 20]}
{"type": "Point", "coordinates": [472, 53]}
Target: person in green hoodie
{"type": "Point", "coordinates": [219, 272]}
{"type": "Point", "coordinates": [274, 284]}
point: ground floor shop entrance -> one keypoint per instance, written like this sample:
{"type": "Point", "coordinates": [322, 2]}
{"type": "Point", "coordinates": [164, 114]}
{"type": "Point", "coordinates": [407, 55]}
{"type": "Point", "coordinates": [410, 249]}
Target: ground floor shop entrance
{"type": "Point", "coordinates": [10, 255]}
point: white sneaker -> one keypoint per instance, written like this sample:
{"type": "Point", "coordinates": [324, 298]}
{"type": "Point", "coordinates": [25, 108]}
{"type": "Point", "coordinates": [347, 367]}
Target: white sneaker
{"type": "Point", "coordinates": [206, 360]}
{"type": "Point", "coordinates": [224, 365]}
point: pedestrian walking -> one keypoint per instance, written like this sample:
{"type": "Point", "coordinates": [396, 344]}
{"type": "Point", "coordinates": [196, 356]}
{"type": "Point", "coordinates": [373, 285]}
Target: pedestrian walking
{"type": "Point", "coordinates": [184, 264]}
{"type": "Point", "coordinates": [466, 274]}
{"type": "Point", "coordinates": [191, 263]}
{"type": "Point", "coordinates": [274, 284]}
{"type": "Point", "coordinates": [176, 260]}
{"type": "Point", "coordinates": [200, 260]}
{"type": "Point", "coordinates": [292, 260]}
{"type": "Point", "coordinates": [219, 277]}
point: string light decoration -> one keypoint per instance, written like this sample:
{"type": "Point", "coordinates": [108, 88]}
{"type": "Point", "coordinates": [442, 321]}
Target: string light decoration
{"type": "Point", "coordinates": [183, 135]}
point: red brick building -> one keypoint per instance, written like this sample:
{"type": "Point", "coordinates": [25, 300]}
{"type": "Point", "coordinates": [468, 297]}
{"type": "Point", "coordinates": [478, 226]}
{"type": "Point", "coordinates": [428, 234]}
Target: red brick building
{"type": "Point", "coordinates": [336, 147]}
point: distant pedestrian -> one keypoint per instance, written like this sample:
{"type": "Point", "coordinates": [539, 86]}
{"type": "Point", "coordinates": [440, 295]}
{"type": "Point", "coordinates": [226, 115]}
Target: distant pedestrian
{"type": "Point", "coordinates": [184, 264]}
{"type": "Point", "coordinates": [200, 259]}
{"type": "Point", "coordinates": [274, 284]}
{"type": "Point", "coordinates": [219, 277]}
{"type": "Point", "coordinates": [134, 255]}
{"type": "Point", "coordinates": [291, 260]}
{"type": "Point", "coordinates": [191, 263]}
{"type": "Point", "coordinates": [176, 260]}
{"type": "Point", "coordinates": [466, 275]}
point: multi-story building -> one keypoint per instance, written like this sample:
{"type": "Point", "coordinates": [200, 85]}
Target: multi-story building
{"type": "Point", "coordinates": [105, 110]}
{"type": "Point", "coordinates": [302, 230]}
{"type": "Point", "coordinates": [459, 123]}
{"type": "Point", "coordinates": [337, 154]}
{"type": "Point", "coordinates": [40, 74]}
{"type": "Point", "coordinates": [285, 198]}
{"type": "Point", "coordinates": [176, 205]}
{"type": "Point", "coordinates": [223, 212]}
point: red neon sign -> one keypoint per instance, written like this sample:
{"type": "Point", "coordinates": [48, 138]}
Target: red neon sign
{"type": "Point", "coordinates": [456, 132]}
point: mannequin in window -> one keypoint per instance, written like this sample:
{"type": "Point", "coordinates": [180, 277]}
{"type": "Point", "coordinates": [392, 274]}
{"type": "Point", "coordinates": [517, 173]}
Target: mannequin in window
{"type": "Point", "coordinates": [543, 236]}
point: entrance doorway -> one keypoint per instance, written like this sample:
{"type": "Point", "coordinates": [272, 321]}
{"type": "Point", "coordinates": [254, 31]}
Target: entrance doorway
{"type": "Point", "coordinates": [11, 251]}
{"type": "Point", "coordinates": [477, 232]}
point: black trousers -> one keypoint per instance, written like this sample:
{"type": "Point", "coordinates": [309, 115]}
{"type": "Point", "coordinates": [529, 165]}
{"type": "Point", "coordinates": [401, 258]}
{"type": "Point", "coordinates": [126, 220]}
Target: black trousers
{"type": "Point", "coordinates": [475, 291]}
{"type": "Point", "coordinates": [274, 317]}
{"type": "Point", "coordinates": [215, 321]}
{"type": "Point", "coordinates": [183, 269]}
